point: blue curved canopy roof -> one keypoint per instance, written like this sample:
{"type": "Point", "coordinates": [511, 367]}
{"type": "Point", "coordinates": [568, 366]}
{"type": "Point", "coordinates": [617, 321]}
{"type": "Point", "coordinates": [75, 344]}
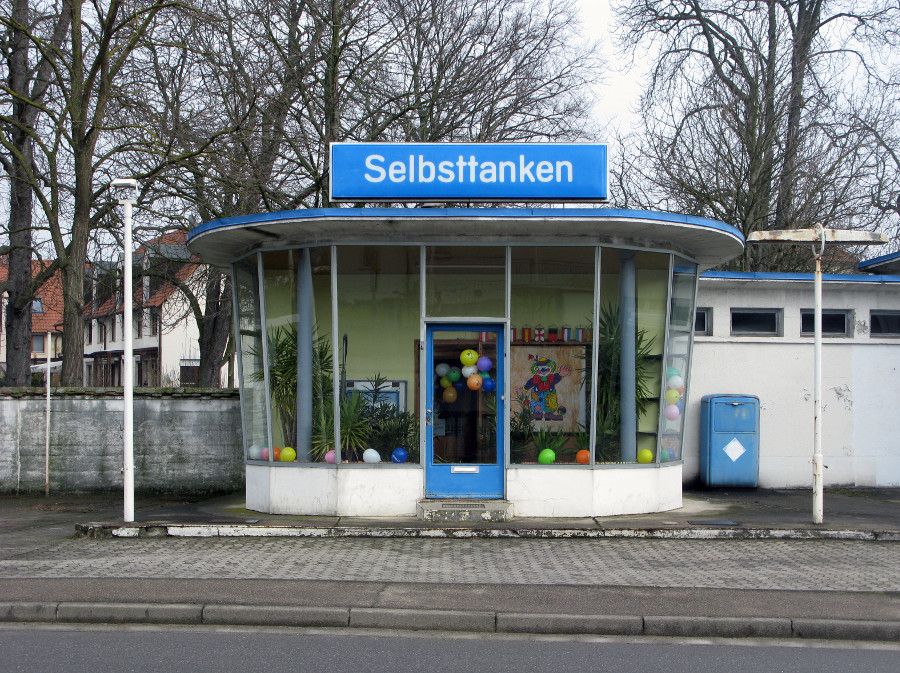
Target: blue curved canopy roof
{"type": "Point", "coordinates": [709, 242]}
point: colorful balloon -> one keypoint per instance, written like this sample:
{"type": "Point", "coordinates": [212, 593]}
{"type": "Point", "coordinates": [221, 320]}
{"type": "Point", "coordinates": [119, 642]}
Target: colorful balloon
{"type": "Point", "coordinates": [675, 382]}
{"type": "Point", "coordinates": [371, 456]}
{"type": "Point", "coordinates": [484, 364]}
{"type": "Point", "coordinates": [546, 457]}
{"type": "Point", "coordinates": [442, 369]}
{"type": "Point", "coordinates": [488, 385]}
{"type": "Point", "coordinates": [583, 457]}
{"type": "Point", "coordinates": [468, 370]}
{"type": "Point", "coordinates": [645, 456]}
{"type": "Point", "coordinates": [460, 385]}
{"type": "Point", "coordinates": [399, 455]}
{"type": "Point", "coordinates": [474, 382]}
{"type": "Point", "coordinates": [277, 453]}
{"type": "Point", "coordinates": [468, 357]}
{"type": "Point", "coordinates": [672, 396]}
{"type": "Point", "coordinates": [330, 456]}
{"type": "Point", "coordinates": [445, 382]}
{"type": "Point", "coordinates": [254, 452]}
{"type": "Point", "coordinates": [450, 395]}
{"type": "Point", "coordinates": [671, 412]}
{"type": "Point", "coordinates": [264, 453]}
{"type": "Point", "coordinates": [672, 371]}
{"type": "Point", "coordinates": [454, 374]}
{"type": "Point", "coordinates": [288, 455]}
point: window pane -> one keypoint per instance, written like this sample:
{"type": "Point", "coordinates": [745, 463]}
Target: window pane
{"type": "Point", "coordinates": [551, 314]}
{"type": "Point", "coordinates": [701, 322]}
{"type": "Point", "coordinates": [378, 313]}
{"type": "Point", "coordinates": [253, 395]}
{"type": "Point", "coordinates": [673, 398]}
{"type": "Point", "coordinates": [885, 323]}
{"type": "Point", "coordinates": [755, 321]}
{"type": "Point", "coordinates": [465, 281]}
{"type": "Point", "coordinates": [834, 323]}
{"type": "Point", "coordinates": [280, 277]}
{"type": "Point", "coordinates": [651, 289]}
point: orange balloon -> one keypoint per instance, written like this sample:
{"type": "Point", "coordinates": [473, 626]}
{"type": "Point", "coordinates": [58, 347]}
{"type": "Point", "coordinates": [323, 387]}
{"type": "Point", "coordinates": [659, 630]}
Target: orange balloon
{"type": "Point", "coordinates": [277, 452]}
{"type": "Point", "coordinates": [450, 395]}
{"type": "Point", "coordinates": [474, 382]}
{"type": "Point", "coordinates": [583, 457]}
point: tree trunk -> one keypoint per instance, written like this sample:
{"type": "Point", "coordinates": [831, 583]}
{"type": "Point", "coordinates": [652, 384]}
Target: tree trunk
{"type": "Point", "coordinates": [215, 329]}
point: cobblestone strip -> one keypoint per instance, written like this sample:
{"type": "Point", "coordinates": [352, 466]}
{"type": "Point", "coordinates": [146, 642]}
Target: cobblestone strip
{"type": "Point", "coordinates": [803, 565]}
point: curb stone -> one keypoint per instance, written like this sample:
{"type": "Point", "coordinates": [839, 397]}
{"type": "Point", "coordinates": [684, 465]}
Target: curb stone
{"type": "Point", "coordinates": [161, 530]}
{"type": "Point", "coordinates": [448, 620]}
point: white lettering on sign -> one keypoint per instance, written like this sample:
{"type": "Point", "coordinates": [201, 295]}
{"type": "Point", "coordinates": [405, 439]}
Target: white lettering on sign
{"type": "Point", "coordinates": [466, 170]}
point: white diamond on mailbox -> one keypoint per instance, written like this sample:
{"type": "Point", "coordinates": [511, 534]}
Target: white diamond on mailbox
{"type": "Point", "coordinates": [734, 450]}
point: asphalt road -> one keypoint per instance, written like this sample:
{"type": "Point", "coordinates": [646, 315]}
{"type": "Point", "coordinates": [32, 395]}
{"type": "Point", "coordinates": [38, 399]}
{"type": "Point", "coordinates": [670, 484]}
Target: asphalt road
{"type": "Point", "coordinates": [146, 650]}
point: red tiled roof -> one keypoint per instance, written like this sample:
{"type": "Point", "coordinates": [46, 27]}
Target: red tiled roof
{"type": "Point", "coordinates": [51, 295]}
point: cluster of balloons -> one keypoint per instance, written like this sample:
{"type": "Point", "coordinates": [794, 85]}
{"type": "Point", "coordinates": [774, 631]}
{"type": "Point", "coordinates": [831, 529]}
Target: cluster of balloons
{"type": "Point", "coordinates": [673, 395]}
{"type": "Point", "coordinates": [666, 455]}
{"type": "Point", "coordinates": [285, 455]}
{"type": "Point", "coordinates": [474, 375]}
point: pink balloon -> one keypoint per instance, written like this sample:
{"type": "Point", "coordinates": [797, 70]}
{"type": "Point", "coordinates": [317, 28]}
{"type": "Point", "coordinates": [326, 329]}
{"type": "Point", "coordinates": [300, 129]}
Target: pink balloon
{"type": "Point", "coordinates": [671, 412]}
{"type": "Point", "coordinates": [329, 456]}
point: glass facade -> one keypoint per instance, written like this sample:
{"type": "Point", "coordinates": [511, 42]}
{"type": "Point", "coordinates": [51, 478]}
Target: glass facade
{"type": "Point", "coordinates": [597, 355]}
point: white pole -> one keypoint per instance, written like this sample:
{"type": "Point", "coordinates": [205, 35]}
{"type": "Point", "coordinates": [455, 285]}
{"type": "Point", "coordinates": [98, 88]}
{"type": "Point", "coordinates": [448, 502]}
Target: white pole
{"type": "Point", "coordinates": [818, 491]}
{"type": "Point", "coordinates": [47, 422]}
{"type": "Point", "coordinates": [128, 357]}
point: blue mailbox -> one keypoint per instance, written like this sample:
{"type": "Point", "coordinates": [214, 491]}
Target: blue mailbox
{"type": "Point", "coordinates": [729, 440]}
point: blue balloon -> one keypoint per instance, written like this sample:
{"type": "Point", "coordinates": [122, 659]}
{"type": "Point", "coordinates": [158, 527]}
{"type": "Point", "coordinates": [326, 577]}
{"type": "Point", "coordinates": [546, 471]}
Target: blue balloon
{"type": "Point", "coordinates": [490, 385]}
{"type": "Point", "coordinates": [399, 455]}
{"type": "Point", "coordinates": [459, 385]}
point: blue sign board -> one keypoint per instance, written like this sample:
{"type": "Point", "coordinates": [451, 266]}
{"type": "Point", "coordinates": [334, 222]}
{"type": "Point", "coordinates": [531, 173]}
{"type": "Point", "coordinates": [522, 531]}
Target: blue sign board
{"type": "Point", "coordinates": [468, 172]}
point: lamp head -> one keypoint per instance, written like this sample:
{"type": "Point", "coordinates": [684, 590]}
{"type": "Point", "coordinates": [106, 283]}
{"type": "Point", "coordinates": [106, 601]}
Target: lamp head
{"type": "Point", "coordinates": [125, 189]}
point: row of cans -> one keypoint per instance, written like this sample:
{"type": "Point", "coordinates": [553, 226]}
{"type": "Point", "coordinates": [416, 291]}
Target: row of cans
{"type": "Point", "coordinates": [545, 335]}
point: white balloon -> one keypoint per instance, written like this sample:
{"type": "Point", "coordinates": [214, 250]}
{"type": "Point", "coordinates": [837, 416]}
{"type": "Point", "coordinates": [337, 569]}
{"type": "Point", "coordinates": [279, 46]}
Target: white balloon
{"type": "Point", "coordinates": [254, 452]}
{"type": "Point", "coordinates": [442, 369]}
{"type": "Point", "coordinates": [675, 382]}
{"type": "Point", "coordinates": [468, 370]}
{"type": "Point", "coordinates": [371, 456]}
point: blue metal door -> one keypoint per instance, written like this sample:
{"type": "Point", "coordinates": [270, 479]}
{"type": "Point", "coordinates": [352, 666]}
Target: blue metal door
{"type": "Point", "coordinates": [464, 452]}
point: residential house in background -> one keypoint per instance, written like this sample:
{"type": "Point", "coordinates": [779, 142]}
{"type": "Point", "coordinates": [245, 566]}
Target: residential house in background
{"type": "Point", "coordinates": [46, 316]}
{"type": "Point", "coordinates": [166, 348]}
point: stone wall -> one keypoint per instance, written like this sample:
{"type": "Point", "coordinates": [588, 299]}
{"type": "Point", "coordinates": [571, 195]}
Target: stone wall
{"type": "Point", "coordinates": [185, 441]}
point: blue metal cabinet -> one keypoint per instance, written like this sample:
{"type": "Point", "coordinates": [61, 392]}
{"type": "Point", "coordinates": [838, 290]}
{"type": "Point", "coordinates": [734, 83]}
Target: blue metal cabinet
{"type": "Point", "coordinates": [729, 440]}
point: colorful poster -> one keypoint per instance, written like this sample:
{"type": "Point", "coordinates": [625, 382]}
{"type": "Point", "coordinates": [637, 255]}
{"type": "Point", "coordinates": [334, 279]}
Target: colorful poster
{"type": "Point", "coordinates": [549, 380]}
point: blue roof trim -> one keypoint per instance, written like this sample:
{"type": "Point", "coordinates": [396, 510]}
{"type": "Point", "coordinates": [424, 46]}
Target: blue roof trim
{"type": "Point", "coordinates": [878, 260]}
{"type": "Point", "coordinates": [767, 275]}
{"type": "Point", "coordinates": [312, 213]}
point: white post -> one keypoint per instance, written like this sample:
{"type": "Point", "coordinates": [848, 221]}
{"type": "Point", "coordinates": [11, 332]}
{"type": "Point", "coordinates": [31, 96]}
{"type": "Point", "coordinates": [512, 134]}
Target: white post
{"type": "Point", "coordinates": [128, 357]}
{"type": "Point", "coordinates": [47, 422]}
{"type": "Point", "coordinates": [818, 489]}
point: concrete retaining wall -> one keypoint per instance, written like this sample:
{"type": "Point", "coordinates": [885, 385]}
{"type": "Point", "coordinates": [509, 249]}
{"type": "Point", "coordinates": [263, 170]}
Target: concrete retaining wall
{"type": "Point", "coordinates": [184, 441]}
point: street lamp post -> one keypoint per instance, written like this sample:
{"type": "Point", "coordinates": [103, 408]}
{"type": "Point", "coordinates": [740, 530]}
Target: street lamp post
{"type": "Point", "coordinates": [128, 198]}
{"type": "Point", "coordinates": [819, 237]}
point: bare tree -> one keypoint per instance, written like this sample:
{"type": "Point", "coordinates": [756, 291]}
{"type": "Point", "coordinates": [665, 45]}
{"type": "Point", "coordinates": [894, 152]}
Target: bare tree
{"type": "Point", "coordinates": [23, 93]}
{"type": "Point", "coordinates": [748, 114]}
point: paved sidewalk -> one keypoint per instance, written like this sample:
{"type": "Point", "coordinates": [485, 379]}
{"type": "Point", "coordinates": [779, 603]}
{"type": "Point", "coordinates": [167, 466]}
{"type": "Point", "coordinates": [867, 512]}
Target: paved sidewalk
{"type": "Point", "coordinates": [801, 586]}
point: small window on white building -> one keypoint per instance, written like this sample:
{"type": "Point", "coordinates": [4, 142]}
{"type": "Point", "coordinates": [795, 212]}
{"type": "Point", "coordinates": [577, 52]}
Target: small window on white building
{"type": "Point", "coordinates": [835, 323]}
{"type": "Point", "coordinates": [756, 322]}
{"type": "Point", "coordinates": [89, 330]}
{"type": "Point", "coordinates": [703, 322]}
{"type": "Point", "coordinates": [37, 343]}
{"type": "Point", "coordinates": [885, 323]}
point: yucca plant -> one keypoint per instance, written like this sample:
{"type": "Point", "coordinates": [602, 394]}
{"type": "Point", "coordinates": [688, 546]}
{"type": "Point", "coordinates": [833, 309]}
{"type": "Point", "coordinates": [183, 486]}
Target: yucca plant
{"type": "Point", "coordinates": [608, 342]}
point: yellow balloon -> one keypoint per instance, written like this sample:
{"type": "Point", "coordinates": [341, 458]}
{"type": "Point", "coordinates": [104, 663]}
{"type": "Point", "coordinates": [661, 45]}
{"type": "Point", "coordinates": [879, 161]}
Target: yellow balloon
{"type": "Point", "coordinates": [468, 357]}
{"type": "Point", "coordinates": [672, 396]}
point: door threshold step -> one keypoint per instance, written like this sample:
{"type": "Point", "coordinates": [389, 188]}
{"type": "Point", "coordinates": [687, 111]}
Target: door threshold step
{"type": "Point", "coordinates": [463, 510]}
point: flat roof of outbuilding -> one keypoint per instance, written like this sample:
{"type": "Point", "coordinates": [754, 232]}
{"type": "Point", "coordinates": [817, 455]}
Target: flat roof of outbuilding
{"type": "Point", "coordinates": [709, 242]}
